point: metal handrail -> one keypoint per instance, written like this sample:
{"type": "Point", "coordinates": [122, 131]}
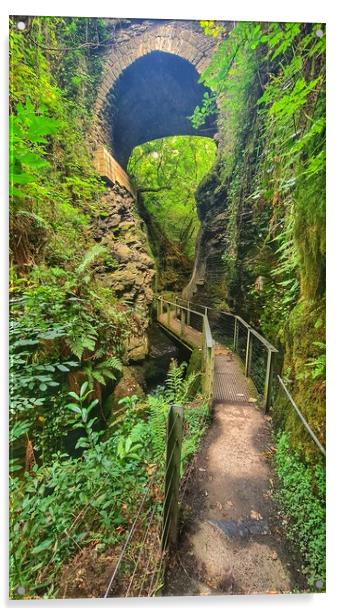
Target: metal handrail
{"type": "Point", "coordinates": [167, 301]}
{"type": "Point", "coordinates": [207, 341]}
{"type": "Point", "coordinates": [261, 338]}
{"type": "Point", "coordinates": [304, 421]}
{"type": "Point", "coordinates": [240, 319]}
{"type": "Point", "coordinates": [207, 332]}
{"type": "Point", "coordinates": [208, 336]}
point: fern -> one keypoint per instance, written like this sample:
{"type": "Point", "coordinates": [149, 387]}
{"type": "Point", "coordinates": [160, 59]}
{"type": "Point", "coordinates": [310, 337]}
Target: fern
{"type": "Point", "coordinates": [103, 371]}
{"type": "Point", "coordinates": [41, 222]}
{"type": "Point", "coordinates": [178, 388]}
{"type": "Point", "coordinates": [90, 256]}
{"type": "Point", "coordinates": [78, 344]}
{"type": "Point", "coordinates": [174, 380]}
{"type": "Point", "coordinates": [158, 412]}
{"type": "Point", "coordinates": [318, 364]}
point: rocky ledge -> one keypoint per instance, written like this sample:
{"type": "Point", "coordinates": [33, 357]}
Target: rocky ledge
{"type": "Point", "coordinates": [129, 270]}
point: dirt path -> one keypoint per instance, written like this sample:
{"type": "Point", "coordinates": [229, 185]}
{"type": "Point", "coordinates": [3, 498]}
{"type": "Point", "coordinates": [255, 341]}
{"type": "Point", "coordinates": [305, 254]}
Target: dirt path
{"type": "Point", "coordinates": [232, 538]}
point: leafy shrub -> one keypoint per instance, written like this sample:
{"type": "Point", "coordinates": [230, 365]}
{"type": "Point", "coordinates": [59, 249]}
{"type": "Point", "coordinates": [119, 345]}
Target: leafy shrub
{"type": "Point", "coordinates": [302, 495]}
{"type": "Point", "coordinates": [71, 502]}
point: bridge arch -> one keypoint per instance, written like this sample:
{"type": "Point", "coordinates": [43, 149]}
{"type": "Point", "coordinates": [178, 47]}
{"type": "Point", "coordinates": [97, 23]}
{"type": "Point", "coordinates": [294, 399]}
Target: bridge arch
{"type": "Point", "coordinates": [150, 84]}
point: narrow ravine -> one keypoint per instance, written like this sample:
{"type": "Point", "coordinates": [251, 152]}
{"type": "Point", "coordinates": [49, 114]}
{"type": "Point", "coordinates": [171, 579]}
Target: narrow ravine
{"type": "Point", "coordinates": [166, 163]}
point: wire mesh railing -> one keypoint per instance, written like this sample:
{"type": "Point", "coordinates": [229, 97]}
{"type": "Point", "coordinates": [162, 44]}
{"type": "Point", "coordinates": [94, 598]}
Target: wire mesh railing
{"type": "Point", "coordinates": [258, 365]}
{"type": "Point", "coordinates": [139, 568]}
{"type": "Point", "coordinates": [241, 339]}
{"type": "Point", "coordinates": [229, 330]}
{"type": "Point", "coordinates": [136, 570]}
{"type": "Point", "coordinates": [222, 326]}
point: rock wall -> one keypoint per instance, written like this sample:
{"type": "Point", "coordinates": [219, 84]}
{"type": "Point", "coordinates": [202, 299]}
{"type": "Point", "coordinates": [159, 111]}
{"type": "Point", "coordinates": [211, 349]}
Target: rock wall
{"type": "Point", "coordinates": [129, 271]}
{"type": "Point", "coordinates": [207, 283]}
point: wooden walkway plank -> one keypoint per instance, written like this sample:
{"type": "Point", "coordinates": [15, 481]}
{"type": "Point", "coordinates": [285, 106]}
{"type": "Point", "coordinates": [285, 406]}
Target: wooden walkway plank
{"type": "Point", "coordinates": [190, 335]}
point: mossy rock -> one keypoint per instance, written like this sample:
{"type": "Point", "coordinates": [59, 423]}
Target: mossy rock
{"type": "Point", "coordinates": [194, 367]}
{"type": "Point", "coordinates": [305, 328]}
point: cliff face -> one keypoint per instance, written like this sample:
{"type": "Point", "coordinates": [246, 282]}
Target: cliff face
{"type": "Point", "coordinates": [207, 283]}
{"type": "Point", "coordinates": [261, 248]}
{"type": "Point", "coordinates": [129, 271]}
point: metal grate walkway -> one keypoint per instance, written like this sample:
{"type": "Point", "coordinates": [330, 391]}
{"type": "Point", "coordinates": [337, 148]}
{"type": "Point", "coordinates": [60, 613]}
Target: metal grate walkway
{"type": "Point", "coordinates": [230, 384]}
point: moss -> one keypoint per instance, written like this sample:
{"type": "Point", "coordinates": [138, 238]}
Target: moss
{"type": "Point", "coordinates": [194, 367]}
{"type": "Point", "coordinates": [305, 328]}
{"type": "Point", "coordinates": [195, 361]}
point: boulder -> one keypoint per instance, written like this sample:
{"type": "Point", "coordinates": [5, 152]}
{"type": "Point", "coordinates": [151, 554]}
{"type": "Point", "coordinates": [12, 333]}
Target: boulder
{"type": "Point", "coordinates": [126, 386]}
{"type": "Point", "coordinates": [137, 348]}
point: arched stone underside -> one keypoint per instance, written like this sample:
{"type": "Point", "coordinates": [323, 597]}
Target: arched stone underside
{"type": "Point", "coordinates": [154, 98]}
{"type": "Point", "coordinates": [150, 84]}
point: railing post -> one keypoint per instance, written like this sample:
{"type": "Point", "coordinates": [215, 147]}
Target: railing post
{"type": "Point", "coordinates": [268, 381]}
{"type": "Point", "coordinates": [168, 314]}
{"type": "Point", "coordinates": [248, 353]}
{"type": "Point", "coordinates": [235, 334]}
{"type": "Point", "coordinates": [207, 375]}
{"type": "Point", "coordinates": [204, 358]}
{"type": "Point", "coordinates": [161, 305]}
{"type": "Point", "coordinates": [188, 313]}
{"type": "Point", "coordinates": [172, 476]}
{"type": "Point", "coordinates": [182, 321]}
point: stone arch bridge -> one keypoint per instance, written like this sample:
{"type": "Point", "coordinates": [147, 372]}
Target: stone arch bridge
{"type": "Point", "coordinates": [149, 88]}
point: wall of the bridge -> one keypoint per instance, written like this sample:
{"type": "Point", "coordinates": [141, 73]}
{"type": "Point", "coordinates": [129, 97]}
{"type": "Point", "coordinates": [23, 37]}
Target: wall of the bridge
{"type": "Point", "coordinates": [110, 170]}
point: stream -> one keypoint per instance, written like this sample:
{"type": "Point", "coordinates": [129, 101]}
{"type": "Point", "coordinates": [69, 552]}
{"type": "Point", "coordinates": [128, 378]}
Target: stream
{"type": "Point", "coordinates": [152, 371]}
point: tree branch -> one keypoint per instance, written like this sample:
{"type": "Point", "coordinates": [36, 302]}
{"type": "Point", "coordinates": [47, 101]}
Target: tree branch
{"type": "Point", "coordinates": [146, 189]}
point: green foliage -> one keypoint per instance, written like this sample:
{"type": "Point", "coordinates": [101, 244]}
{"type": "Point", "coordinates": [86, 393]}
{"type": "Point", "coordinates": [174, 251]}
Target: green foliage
{"type": "Point", "coordinates": [102, 371]}
{"type": "Point", "coordinates": [302, 495]}
{"type": "Point", "coordinates": [67, 316]}
{"type": "Point", "coordinates": [169, 171]}
{"type": "Point", "coordinates": [196, 420]}
{"type": "Point", "coordinates": [68, 503]}
{"type": "Point", "coordinates": [208, 107]}
{"type": "Point", "coordinates": [158, 413]}
{"type": "Point", "coordinates": [90, 256]}
{"type": "Point", "coordinates": [71, 503]}
{"type": "Point", "coordinates": [270, 83]}
{"type": "Point", "coordinates": [53, 185]}
{"type": "Point", "coordinates": [318, 364]}
{"type": "Point", "coordinates": [82, 411]}
{"type": "Point", "coordinates": [212, 28]}
{"type": "Point", "coordinates": [36, 390]}
{"type": "Point", "coordinates": [178, 388]}
{"type": "Point", "coordinates": [269, 79]}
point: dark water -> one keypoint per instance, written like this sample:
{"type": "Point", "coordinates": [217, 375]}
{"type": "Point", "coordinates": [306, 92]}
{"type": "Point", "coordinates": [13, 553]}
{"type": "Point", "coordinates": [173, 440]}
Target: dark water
{"type": "Point", "coordinates": [163, 349]}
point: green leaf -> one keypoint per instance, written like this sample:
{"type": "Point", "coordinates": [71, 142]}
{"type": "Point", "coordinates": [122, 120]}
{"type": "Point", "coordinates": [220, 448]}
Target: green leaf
{"type": "Point", "coordinates": [42, 546]}
{"type": "Point", "coordinates": [73, 407]}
